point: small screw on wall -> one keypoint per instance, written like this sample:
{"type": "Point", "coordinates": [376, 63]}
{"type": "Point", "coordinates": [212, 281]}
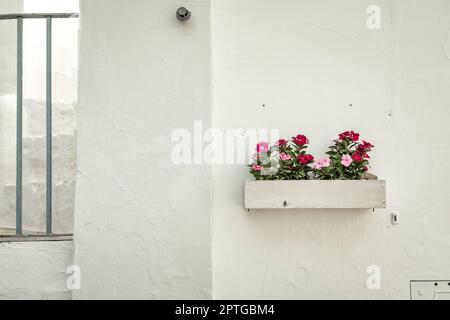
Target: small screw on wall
{"type": "Point", "coordinates": [394, 218]}
{"type": "Point", "coordinates": [183, 14]}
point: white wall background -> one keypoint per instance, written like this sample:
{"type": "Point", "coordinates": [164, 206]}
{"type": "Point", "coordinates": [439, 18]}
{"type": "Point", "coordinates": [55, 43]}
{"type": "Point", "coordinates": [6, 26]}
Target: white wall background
{"type": "Point", "coordinates": [35, 270]}
{"type": "Point", "coordinates": [142, 225]}
{"type": "Point", "coordinates": [308, 61]}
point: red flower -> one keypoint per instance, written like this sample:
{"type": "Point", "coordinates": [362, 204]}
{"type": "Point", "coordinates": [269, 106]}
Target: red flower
{"type": "Point", "coordinates": [352, 135]}
{"type": "Point", "coordinates": [343, 135]}
{"type": "Point", "coordinates": [305, 158]}
{"type": "Point", "coordinates": [300, 140]}
{"type": "Point", "coordinates": [366, 168]}
{"type": "Point", "coordinates": [365, 146]}
{"type": "Point", "coordinates": [281, 142]}
{"type": "Point", "coordinates": [356, 156]}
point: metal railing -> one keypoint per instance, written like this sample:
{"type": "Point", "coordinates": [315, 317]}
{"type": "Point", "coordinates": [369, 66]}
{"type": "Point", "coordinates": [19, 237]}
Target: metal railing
{"type": "Point", "coordinates": [19, 153]}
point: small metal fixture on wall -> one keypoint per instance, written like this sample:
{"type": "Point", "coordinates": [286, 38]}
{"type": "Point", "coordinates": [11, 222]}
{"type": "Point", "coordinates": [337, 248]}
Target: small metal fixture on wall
{"type": "Point", "coordinates": [183, 14]}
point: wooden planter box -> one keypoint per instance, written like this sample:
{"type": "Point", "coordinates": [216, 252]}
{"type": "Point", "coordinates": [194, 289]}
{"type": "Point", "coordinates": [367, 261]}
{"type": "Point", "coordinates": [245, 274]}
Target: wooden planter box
{"type": "Point", "coordinates": [315, 194]}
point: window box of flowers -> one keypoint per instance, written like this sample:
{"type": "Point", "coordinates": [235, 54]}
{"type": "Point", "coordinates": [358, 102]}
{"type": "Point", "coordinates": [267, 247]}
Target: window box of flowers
{"type": "Point", "coordinates": [287, 177]}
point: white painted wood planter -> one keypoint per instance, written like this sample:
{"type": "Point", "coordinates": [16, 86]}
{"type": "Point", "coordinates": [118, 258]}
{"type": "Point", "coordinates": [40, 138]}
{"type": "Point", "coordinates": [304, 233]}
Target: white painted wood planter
{"type": "Point", "coordinates": [315, 194]}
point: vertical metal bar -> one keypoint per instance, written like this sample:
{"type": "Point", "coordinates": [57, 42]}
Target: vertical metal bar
{"type": "Point", "coordinates": [49, 128]}
{"type": "Point", "coordinates": [19, 126]}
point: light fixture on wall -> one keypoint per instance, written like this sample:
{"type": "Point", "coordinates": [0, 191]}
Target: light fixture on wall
{"type": "Point", "coordinates": [183, 14]}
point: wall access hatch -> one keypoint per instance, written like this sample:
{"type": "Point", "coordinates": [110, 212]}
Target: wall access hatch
{"type": "Point", "coordinates": [430, 290]}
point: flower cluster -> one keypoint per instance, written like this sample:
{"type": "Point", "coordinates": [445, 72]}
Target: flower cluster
{"type": "Point", "coordinates": [286, 160]}
{"type": "Point", "coordinates": [347, 159]}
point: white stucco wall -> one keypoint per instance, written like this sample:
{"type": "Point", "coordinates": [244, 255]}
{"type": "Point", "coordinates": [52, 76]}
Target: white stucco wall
{"type": "Point", "coordinates": [142, 225]}
{"type": "Point", "coordinates": [308, 61]}
{"type": "Point", "coordinates": [35, 270]}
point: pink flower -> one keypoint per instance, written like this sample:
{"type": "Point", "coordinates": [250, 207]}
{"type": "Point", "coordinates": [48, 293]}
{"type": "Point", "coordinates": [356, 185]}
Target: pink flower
{"type": "Point", "coordinates": [262, 147]}
{"type": "Point", "coordinates": [326, 162]}
{"type": "Point", "coordinates": [322, 163]}
{"type": "Point", "coordinates": [317, 164]}
{"type": "Point", "coordinates": [284, 156]}
{"type": "Point", "coordinates": [256, 167]}
{"type": "Point", "coordinates": [346, 160]}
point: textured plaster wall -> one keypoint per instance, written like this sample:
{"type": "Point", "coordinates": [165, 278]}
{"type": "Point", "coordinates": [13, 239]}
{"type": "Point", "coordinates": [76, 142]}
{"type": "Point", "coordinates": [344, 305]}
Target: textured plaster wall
{"type": "Point", "coordinates": [308, 61]}
{"type": "Point", "coordinates": [142, 225]}
{"type": "Point", "coordinates": [35, 270]}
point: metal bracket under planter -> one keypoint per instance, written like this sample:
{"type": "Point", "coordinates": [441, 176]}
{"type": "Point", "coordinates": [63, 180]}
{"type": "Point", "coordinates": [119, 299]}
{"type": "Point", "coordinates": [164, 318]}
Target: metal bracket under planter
{"type": "Point", "coordinates": [315, 194]}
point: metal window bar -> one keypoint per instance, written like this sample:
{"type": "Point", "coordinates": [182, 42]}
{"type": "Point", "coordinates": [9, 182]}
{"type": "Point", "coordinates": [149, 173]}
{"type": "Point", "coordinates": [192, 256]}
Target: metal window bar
{"type": "Point", "coordinates": [19, 152]}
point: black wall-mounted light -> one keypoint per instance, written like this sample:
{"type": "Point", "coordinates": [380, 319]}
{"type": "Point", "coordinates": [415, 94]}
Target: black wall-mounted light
{"type": "Point", "coordinates": [183, 14]}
